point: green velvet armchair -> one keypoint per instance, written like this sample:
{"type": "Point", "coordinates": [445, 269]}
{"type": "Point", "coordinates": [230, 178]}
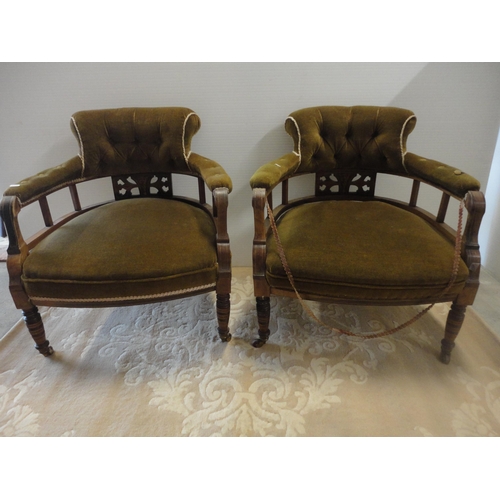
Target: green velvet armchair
{"type": "Point", "coordinates": [344, 243]}
{"type": "Point", "coordinates": [147, 244]}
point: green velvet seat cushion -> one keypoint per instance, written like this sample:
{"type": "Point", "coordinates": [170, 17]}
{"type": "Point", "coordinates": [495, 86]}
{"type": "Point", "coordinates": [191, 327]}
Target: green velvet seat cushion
{"type": "Point", "coordinates": [127, 249]}
{"type": "Point", "coordinates": [366, 251]}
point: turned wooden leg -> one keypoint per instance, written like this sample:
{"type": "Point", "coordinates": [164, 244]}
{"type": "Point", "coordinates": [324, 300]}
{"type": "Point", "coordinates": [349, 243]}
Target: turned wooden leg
{"type": "Point", "coordinates": [453, 324]}
{"type": "Point", "coordinates": [223, 309]}
{"type": "Point", "coordinates": [34, 323]}
{"type": "Point", "coordinates": [263, 315]}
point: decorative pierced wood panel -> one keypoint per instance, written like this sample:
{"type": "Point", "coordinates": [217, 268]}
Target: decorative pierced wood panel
{"type": "Point", "coordinates": [145, 185]}
{"type": "Point", "coordinates": [345, 182]}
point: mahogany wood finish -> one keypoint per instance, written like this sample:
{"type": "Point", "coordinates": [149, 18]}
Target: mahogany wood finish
{"type": "Point", "coordinates": [223, 308]}
{"type": "Point", "coordinates": [34, 323]}
{"type": "Point", "coordinates": [263, 314]}
{"type": "Point", "coordinates": [129, 186]}
{"type": "Point", "coordinates": [360, 186]}
{"type": "Point", "coordinates": [344, 182]}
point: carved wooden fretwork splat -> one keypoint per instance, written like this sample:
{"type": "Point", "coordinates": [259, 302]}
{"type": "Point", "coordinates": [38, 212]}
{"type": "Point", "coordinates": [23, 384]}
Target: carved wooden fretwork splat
{"type": "Point", "coordinates": [342, 182]}
{"type": "Point", "coordinates": [145, 185]}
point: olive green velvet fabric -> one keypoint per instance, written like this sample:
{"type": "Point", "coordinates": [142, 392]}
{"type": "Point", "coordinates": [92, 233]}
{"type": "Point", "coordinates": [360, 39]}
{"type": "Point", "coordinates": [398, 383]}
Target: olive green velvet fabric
{"type": "Point", "coordinates": [210, 171]}
{"type": "Point", "coordinates": [126, 141]}
{"type": "Point", "coordinates": [449, 178]}
{"type": "Point", "coordinates": [131, 248]}
{"type": "Point", "coordinates": [330, 137]}
{"type": "Point", "coordinates": [369, 251]}
{"type": "Point", "coordinates": [45, 182]}
{"type": "Point", "coordinates": [271, 174]}
{"type": "Point", "coordinates": [359, 138]}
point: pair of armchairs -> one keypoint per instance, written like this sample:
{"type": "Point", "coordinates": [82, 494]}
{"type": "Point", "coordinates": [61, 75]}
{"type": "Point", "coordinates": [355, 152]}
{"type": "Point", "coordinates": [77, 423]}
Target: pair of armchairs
{"type": "Point", "coordinates": [341, 244]}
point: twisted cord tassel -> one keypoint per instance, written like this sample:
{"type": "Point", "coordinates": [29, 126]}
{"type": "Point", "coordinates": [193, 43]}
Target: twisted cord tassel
{"type": "Point", "coordinates": [453, 277]}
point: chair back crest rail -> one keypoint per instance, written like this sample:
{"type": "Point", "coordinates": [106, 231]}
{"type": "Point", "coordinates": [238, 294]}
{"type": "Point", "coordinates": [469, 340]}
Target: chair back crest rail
{"type": "Point", "coordinates": [361, 183]}
{"type": "Point", "coordinates": [128, 186]}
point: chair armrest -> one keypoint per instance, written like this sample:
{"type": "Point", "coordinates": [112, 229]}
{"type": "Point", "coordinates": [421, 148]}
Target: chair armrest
{"type": "Point", "coordinates": [9, 210]}
{"type": "Point", "coordinates": [17, 251]}
{"type": "Point", "coordinates": [46, 182]}
{"type": "Point", "coordinates": [271, 174]}
{"type": "Point", "coordinates": [443, 176]}
{"type": "Point", "coordinates": [220, 199]}
{"type": "Point", "coordinates": [475, 205]}
{"type": "Point", "coordinates": [259, 248]}
{"type": "Point", "coordinates": [210, 171]}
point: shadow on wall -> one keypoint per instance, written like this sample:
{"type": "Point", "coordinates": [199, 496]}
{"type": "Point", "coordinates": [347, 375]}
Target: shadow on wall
{"type": "Point", "coordinates": [489, 239]}
{"type": "Point", "coordinates": [458, 114]}
{"type": "Point", "coordinates": [458, 121]}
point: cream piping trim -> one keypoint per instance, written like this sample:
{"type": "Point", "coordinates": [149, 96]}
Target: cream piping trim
{"type": "Point", "coordinates": [299, 152]}
{"type": "Point", "coordinates": [186, 156]}
{"type": "Point", "coordinates": [403, 153]}
{"type": "Point", "coordinates": [136, 297]}
{"type": "Point", "coordinates": [82, 154]}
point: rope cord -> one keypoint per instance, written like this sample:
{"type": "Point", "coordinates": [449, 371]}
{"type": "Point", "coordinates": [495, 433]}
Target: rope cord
{"type": "Point", "coordinates": [286, 267]}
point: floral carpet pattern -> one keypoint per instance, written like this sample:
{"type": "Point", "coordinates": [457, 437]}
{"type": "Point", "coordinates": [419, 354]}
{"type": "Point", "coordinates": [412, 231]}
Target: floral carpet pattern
{"type": "Point", "coordinates": [160, 370]}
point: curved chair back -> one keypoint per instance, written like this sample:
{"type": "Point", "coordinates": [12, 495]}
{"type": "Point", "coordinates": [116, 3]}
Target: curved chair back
{"type": "Point", "coordinates": [361, 137]}
{"type": "Point", "coordinates": [134, 140]}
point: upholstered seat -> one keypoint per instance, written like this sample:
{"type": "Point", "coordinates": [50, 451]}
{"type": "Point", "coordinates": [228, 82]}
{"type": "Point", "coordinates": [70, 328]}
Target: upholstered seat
{"type": "Point", "coordinates": [65, 266]}
{"type": "Point", "coordinates": [346, 243]}
{"type": "Point", "coordinates": [147, 245]}
{"type": "Point", "coordinates": [357, 251]}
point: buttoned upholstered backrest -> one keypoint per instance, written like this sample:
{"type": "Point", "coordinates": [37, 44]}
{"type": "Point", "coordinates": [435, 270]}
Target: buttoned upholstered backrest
{"type": "Point", "coordinates": [134, 140]}
{"type": "Point", "coordinates": [359, 137]}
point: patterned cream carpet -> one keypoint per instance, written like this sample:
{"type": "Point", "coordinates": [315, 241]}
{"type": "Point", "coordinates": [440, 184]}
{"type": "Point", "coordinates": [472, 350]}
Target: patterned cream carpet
{"type": "Point", "coordinates": [4, 243]}
{"type": "Point", "coordinates": [160, 370]}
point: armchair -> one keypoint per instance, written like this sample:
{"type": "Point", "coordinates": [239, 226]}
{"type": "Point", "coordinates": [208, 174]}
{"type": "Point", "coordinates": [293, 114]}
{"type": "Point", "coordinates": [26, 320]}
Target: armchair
{"type": "Point", "coordinates": [344, 243]}
{"type": "Point", "coordinates": [146, 245]}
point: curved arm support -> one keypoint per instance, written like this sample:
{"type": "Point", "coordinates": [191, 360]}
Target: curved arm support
{"type": "Point", "coordinates": [271, 174]}
{"type": "Point", "coordinates": [210, 171]}
{"type": "Point", "coordinates": [17, 251]}
{"type": "Point", "coordinates": [259, 251]}
{"type": "Point", "coordinates": [475, 205]}
{"type": "Point", "coordinates": [220, 197]}
{"type": "Point", "coordinates": [9, 210]}
{"type": "Point", "coordinates": [442, 176]}
{"type": "Point", "coordinates": [46, 182]}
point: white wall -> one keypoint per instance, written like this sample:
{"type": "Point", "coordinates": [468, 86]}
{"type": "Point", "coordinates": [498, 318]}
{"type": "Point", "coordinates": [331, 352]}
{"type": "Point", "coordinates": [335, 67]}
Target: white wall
{"type": "Point", "coordinates": [242, 107]}
{"type": "Point", "coordinates": [490, 240]}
